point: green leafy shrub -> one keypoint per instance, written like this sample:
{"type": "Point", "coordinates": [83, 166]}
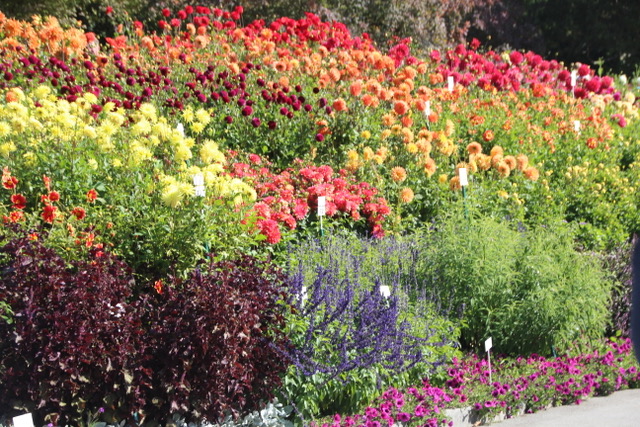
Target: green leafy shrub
{"type": "Point", "coordinates": [5, 312]}
{"type": "Point", "coordinates": [528, 289]}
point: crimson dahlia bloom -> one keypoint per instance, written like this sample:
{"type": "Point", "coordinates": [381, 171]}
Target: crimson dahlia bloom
{"type": "Point", "coordinates": [92, 195]}
{"type": "Point", "coordinates": [49, 213]}
{"type": "Point", "coordinates": [19, 201]}
{"type": "Point", "coordinates": [79, 213]}
{"type": "Point", "coordinates": [270, 229]}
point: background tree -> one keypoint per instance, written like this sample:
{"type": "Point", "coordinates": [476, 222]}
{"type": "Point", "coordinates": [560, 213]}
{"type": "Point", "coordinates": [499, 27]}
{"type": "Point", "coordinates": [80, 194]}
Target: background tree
{"type": "Point", "coordinates": [603, 32]}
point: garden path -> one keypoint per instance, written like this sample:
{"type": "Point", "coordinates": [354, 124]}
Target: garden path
{"type": "Point", "coordinates": [621, 409]}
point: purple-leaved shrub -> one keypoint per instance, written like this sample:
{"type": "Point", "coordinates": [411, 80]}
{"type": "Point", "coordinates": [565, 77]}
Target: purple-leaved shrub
{"type": "Point", "coordinates": [618, 264]}
{"type": "Point", "coordinates": [72, 335]}
{"type": "Point", "coordinates": [211, 339]}
{"type": "Point", "coordinates": [77, 339]}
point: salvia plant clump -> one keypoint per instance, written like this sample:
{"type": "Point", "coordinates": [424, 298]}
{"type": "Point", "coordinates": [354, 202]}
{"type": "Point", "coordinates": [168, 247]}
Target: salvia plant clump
{"type": "Point", "coordinates": [358, 323]}
{"type": "Point", "coordinates": [355, 302]}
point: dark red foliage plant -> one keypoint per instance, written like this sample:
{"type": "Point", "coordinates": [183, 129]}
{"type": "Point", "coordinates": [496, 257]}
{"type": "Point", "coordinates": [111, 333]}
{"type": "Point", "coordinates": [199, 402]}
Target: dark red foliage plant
{"type": "Point", "coordinates": [72, 332]}
{"type": "Point", "coordinates": [78, 340]}
{"type": "Point", "coordinates": [211, 338]}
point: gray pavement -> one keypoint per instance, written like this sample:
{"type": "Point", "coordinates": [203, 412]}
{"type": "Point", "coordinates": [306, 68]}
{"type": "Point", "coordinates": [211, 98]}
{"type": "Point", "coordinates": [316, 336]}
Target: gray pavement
{"type": "Point", "coordinates": [621, 409]}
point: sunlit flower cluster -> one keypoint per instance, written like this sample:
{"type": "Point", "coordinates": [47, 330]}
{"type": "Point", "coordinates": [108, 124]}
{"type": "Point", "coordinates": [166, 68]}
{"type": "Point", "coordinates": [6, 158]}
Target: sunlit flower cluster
{"type": "Point", "coordinates": [290, 197]}
{"type": "Point", "coordinates": [303, 89]}
{"type": "Point", "coordinates": [113, 139]}
{"type": "Point", "coordinates": [42, 34]}
{"type": "Point", "coordinates": [528, 384]}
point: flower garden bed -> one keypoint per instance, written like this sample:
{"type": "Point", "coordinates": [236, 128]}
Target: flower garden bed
{"type": "Point", "coordinates": [523, 385]}
{"type": "Point", "coordinates": [164, 254]}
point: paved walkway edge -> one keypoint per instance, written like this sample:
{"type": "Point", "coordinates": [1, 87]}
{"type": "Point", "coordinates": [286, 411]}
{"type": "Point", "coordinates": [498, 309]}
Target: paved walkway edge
{"type": "Point", "coordinates": [620, 409]}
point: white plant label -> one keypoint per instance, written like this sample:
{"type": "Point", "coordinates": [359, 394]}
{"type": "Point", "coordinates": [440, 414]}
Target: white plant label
{"type": "Point", "coordinates": [450, 83]}
{"type": "Point", "coordinates": [576, 125]}
{"type": "Point", "coordinates": [180, 129]}
{"type": "Point", "coordinates": [198, 179]}
{"type": "Point", "coordinates": [25, 420]}
{"type": "Point", "coordinates": [303, 294]}
{"type": "Point", "coordinates": [200, 191]}
{"type": "Point", "coordinates": [487, 346]}
{"type": "Point", "coordinates": [462, 174]}
{"type": "Point", "coordinates": [574, 78]}
{"type": "Point", "coordinates": [385, 291]}
{"type": "Point", "coordinates": [427, 108]}
{"type": "Point", "coordinates": [198, 183]}
{"type": "Point", "coordinates": [322, 206]}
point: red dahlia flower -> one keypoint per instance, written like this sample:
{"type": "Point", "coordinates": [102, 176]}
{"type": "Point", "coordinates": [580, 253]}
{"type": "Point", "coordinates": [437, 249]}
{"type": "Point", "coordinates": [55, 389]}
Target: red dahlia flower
{"type": "Point", "coordinates": [49, 213]}
{"type": "Point", "coordinates": [19, 201]}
